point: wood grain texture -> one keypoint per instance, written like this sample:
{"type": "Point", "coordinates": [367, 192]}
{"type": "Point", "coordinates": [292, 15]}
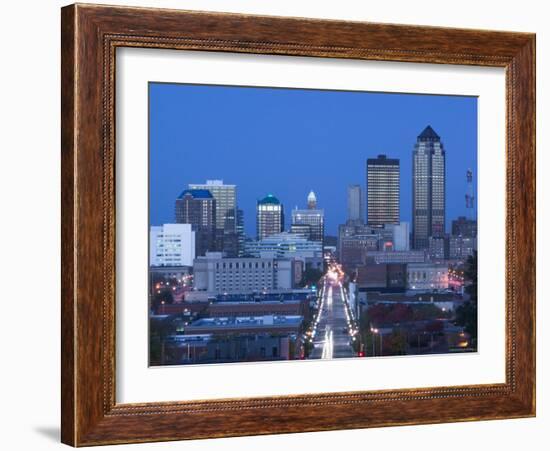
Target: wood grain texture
{"type": "Point", "coordinates": [90, 36]}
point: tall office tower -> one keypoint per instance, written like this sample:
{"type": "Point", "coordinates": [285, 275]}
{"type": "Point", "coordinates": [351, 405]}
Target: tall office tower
{"type": "Point", "coordinates": [171, 245]}
{"type": "Point", "coordinates": [226, 224]}
{"type": "Point", "coordinates": [428, 188]}
{"type": "Point", "coordinates": [311, 201]}
{"type": "Point", "coordinates": [355, 205]}
{"type": "Point", "coordinates": [313, 217]}
{"type": "Point", "coordinates": [382, 191]}
{"type": "Point", "coordinates": [226, 202]}
{"type": "Point", "coordinates": [269, 217]}
{"type": "Point", "coordinates": [198, 208]}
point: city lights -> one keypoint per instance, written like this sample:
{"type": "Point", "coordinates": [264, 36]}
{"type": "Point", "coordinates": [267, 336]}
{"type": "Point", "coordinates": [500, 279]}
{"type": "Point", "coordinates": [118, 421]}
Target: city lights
{"type": "Point", "coordinates": [270, 265]}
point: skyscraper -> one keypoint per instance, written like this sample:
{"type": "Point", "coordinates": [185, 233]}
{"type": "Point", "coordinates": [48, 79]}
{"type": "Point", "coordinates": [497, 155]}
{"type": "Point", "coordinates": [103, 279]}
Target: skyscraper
{"type": "Point", "coordinates": [269, 217]}
{"type": "Point", "coordinates": [428, 188]}
{"type": "Point", "coordinates": [198, 208]}
{"type": "Point", "coordinates": [382, 191]}
{"type": "Point", "coordinates": [313, 217]}
{"type": "Point", "coordinates": [355, 204]}
{"type": "Point", "coordinates": [226, 238]}
{"type": "Point", "coordinates": [226, 202]}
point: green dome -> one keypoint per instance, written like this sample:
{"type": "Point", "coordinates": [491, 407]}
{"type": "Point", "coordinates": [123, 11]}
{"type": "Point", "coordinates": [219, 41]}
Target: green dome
{"type": "Point", "coordinates": [269, 199]}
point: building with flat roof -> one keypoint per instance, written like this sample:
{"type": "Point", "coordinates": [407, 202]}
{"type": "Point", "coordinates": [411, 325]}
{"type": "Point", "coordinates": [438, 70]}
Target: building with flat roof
{"type": "Point", "coordinates": [174, 272]}
{"type": "Point", "coordinates": [397, 256]}
{"type": "Point", "coordinates": [438, 247]}
{"type": "Point", "coordinates": [216, 274]}
{"type": "Point", "coordinates": [219, 348]}
{"type": "Point", "coordinates": [171, 245]}
{"type": "Point", "coordinates": [382, 276]}
{"type": "Point", "coordinates": [464, 227]}
{"type": "Point", "coordinates": [268, 324]}
{"type": "Point", "coordinates": [356, 214]}
{"type": "Point", "coordinates": [247, 307]}
{"type": "Point", "coordinates": [427, 276]}
{"type": "Point", "coordinates": [287, 245]}
{"type": "Point", "coordinates": [354, 249]}
{"type": "Point", "coordinates": [400, 233]}
{"type": "Point", "coordinates": [349, 230]}
{"type": "Point", "coordinates": [461, 247]}
{"type": "Point", "coordinates": [382, 191]}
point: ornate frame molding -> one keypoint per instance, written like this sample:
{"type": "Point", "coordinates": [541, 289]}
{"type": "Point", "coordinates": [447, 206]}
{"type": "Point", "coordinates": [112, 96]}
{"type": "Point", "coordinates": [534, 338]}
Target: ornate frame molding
{"type": "Point", "coordinates": [90, 37]}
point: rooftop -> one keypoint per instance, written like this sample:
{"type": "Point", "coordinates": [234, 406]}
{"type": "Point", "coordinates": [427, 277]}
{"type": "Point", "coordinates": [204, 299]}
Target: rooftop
{"type": "Point", "coordinates": [382, 160]}
{"type": "Point", "coordinates": [269, 199]}
{"type": "Point", "coordinates": [196, 194]}
{"type": "Point", "coordinates": [429, 135]}
{"type": "Point", "coordinates": [295, 294]}
{"type": "Point", "coordinates": [212, 184]}
{"type": "Point", "coordinates": [256, 302]}
{"type": "Point", "coordinates": [251, 321]}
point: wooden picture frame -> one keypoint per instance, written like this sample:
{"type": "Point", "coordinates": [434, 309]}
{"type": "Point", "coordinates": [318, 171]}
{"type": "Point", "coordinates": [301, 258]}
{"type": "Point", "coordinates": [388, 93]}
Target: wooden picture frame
{"type": "Point", "coordinates": [90, 35]}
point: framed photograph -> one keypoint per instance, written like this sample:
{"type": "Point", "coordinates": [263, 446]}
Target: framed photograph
{"type": "Point", "coordinates": [278, 225]}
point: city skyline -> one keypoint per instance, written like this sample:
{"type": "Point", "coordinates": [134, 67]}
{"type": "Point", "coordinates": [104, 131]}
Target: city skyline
{"type": "Point", "coordinates": [168, 147]}
{"type": "Point", "coordinates": [287, 291]}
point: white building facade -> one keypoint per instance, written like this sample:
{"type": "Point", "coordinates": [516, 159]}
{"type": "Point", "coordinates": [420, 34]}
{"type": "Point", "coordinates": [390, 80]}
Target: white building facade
{"type": "Point", "coordinates": [284, 245]}
{"type": "Point", "coordinates": [171, 245]}
{"type": "Point", "coordinates": [400, 234]}
{"type": "Point", "coordinates": [427, 276]}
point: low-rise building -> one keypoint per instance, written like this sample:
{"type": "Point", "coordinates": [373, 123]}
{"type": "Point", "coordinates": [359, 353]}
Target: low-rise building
{"type": "Point", "coordinates": [427, 276]}
{"type": "Point", "coordinates": [401, 234]}
{"type": "Point", "coordinates": [382, 276]}
{"type": "Point", "coordinates": [354, 249]}
{"type": "Point", "coordinates": [217, 274]}
{"type": "Point", "coordinates": [207, 348]}
{"type": "Point", "coordinates": [250, 308]}
{"type": "Point", "coordinates": [287, 245]}
{"type": "Point", "coordinates": [438, 248]}
{"type": "Point", "coordinates": [397, 256]}
{"type": "Point", "coordinates": [465, 227]}
{"type": "Point", "coordinates": [265, 324]}
{"type": "Point", "coordinates": [351, 229]}
{"type": "Point", "coordinates": [181, 273]}
{"type": "Point", "coordinates": [461, 247]}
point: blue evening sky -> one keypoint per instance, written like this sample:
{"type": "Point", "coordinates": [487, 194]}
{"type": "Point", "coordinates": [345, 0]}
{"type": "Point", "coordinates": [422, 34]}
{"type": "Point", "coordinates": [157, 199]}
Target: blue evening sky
{"type": "Point", "coordinates": [287, 142]}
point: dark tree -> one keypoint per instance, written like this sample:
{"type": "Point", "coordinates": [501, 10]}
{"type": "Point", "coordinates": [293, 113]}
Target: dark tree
{"type": "Point", "coordinates": [466, 314]}
{"type": "Point", "coordinates": [311, 276]}
{"type": "Point", "coordinates": [165, 296]}
{"type": "Point", "coordinates": [159, 329]}
{"type": "Point", "coordinates": [396, 343]}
